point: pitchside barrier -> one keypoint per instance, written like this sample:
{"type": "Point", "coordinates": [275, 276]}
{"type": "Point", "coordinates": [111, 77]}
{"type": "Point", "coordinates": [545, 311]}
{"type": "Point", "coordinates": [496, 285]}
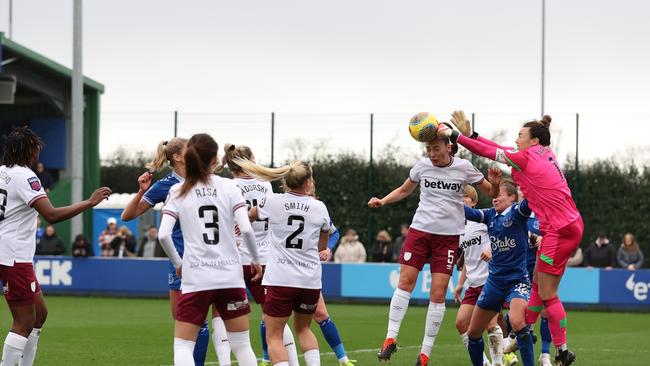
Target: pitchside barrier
{"type": "Point", "coordinates": [615, 289]}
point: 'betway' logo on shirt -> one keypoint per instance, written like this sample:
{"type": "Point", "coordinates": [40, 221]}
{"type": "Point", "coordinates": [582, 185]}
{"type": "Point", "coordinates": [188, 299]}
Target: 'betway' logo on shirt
{"type": "Point", "coordinates": [469, 242]}
{"type": "Point", "coordinates": [443, 185]}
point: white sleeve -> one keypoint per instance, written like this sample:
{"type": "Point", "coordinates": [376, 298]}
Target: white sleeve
{"type": "Point", "coordinates": [169, 207]}
{"type": "Point", "coordinates": [165, 237]}
{"type": "Point", "coordinates": [414, 174]}
{"type": "Point", "coordinates": [474, 177]}
{"type": "Point", "coordinates": [264, 208]}
{"type": "Point", "coordinates": [30, 189]}
{"type": "Point", "coordinates": [247, 233]}
{"type": "Point", "coordinates": [327, 222]}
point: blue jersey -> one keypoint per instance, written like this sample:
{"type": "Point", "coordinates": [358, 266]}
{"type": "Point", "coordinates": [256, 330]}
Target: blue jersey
{"type": "Point", "coordinates": [533, 228]}
{"type": "Point", "coordinates": [158, 193]}
{"type": "Point", "coordinates": [334, 237]}
{"type": "Point", "coordinates": [509, 238]}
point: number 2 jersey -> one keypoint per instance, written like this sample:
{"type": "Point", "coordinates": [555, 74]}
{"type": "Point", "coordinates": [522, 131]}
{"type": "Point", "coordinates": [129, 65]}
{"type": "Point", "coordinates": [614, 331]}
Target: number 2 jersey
{"type": "Point", "coordinates": [254, 192]}
{"type": "Point", "coordinates": [19, 190]}
{"type": "Point", "coordinates": [296, 222]}
{"type": "Point", "coordinates": [206, 215]}
{"type": "Point", "coordinates": [440, 210]}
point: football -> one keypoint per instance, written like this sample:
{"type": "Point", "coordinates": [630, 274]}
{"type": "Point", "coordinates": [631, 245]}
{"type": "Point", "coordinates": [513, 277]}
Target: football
{"type": "Point", "coordinates": [423, 127]}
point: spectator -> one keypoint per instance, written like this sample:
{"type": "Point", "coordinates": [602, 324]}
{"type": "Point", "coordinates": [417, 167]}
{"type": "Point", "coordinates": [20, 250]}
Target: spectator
{"type": "Point", "coordinates": [350, 249]}
{"type": "Point", "coordinates": [50, 243]}
{"type": "Point", "coordinates": [383, 250]}
{"type": "Point", "coordinates": [81, 247]}
{"type": "Point", "coordinates": [39, 229]}
{"type": "Point", "coordinates": [576, 258]}
{"type": "Point", "coordinates": [123, 244]}
{"type": "Point", "coordinates": [47, 182]}
{"type": "Point", "coordinates": [107, 236]}
{"type": "Point", "coordinates": [399, 242]}
{"type": "Point", "coordinates": [600, 254]}
{"type": "Point", "coordinates": [629, 255]}
{"type": "Point", "coordinates": [150, 246]}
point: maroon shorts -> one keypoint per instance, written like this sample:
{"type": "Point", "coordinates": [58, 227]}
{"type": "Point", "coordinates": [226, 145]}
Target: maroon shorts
{"type": "Point", "coordinates": [19, 283]}
{"type": "Point", "coordinates": [256, 289]}
{"type": "Point", "coordinates": [280, 301]}
{"type": "Point", "coordinates": [230, 302]}
{"type": "Point", "coordinates": [557, 246]}
{"type": "Point", "coordinates": [471, 295]}
{"type": "Point", "coordinates": [439, 250]}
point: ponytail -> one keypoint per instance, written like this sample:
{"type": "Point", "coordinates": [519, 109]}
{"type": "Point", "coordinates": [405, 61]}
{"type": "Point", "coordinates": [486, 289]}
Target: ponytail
{"type": "Point", "coordinates": [294, 175]}
{"type": "Point", "coordinates": [165, 153]}
{"type": "Point", "coordinates": [232, 152]}
{"type": "Point", "coordinates": [201, 149]}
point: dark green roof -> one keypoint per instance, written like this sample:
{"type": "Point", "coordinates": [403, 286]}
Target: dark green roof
{"type": "Point", "coordinates": [16, 49]}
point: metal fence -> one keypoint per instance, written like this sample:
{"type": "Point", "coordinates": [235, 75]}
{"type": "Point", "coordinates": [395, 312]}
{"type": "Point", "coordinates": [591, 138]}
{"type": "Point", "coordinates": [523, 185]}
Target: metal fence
{"type": "Point", "coordinates": [278, 137]}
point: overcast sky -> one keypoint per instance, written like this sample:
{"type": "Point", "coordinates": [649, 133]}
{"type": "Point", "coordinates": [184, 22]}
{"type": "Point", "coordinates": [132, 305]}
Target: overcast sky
{"type": "Point", "coordinates": [350, 58]}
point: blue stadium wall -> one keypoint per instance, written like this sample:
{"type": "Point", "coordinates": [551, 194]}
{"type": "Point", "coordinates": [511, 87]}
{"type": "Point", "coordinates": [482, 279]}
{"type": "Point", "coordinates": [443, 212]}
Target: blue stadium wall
{"type": "Point", "coordinates": [615, 289]}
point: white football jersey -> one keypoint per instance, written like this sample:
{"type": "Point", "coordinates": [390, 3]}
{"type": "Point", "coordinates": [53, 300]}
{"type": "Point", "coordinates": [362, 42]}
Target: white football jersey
{"type": "Point", "coordinates": [440, 210]}
{"type": "Point", "coordinates": [19, 189]}
{"type": "Point", "coordinates": [254, 192]}
{"type": "Point", "coordinates": [474, 241]}
{"type": "Point", "coordinates": [206, 214]}
{"type": "Point", "coordinates": [296, 222]}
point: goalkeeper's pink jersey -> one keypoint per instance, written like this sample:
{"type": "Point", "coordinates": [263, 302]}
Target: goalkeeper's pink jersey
{"type": "Point", "coordinates": [540, 177]}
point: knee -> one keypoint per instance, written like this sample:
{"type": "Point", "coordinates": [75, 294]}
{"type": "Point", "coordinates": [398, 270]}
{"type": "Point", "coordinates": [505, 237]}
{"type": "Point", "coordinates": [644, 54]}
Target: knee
{"type": "Point", "coordinates": [462, 325]}
{"type": "Point", "coordinates": [437, 295]}
{"type": "Point", "coordinates": [321, 315]}
{"type": "Point", "coordinates": [474, 333]}
{"type": "Point", "coordinates": [407, 283]}
{"type": "Point", "coordinates": [517, 322]}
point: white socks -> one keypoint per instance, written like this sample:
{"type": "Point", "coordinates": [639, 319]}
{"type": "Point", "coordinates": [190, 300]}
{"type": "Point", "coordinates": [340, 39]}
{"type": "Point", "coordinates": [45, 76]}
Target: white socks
{"type": "Point", "coordinates": [435, 313]}
{"type": "Point", "coordinates": [13, 349]}
{"type": "Point", "coordinates": [290, 346]}
{"type": "Point", "coordinates": [495, 342]}
{"type": "Point", "coordinates": [241, 346]}
{"type": "Point", "coordinates": [465, 339]}
{"type": "Point", "coordinates": [30, 348]}
{"type": "Point", "coordinates": [183, 352]}
{"type": "Point", "coordinates": [312, 357]}
{"type": "Point", "coordinates": [220, 341]}
{"type": "Point", "coordinates": [398, 306]}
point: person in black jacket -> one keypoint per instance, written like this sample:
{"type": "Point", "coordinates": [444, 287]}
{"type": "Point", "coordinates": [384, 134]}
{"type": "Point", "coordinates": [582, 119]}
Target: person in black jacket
{"type": "Point", "coordinates": [123, 244]}
{"type": "Point", "coordinates": [50, 243]}
{"type": "Point", "coordinates": [383, 249]}
{"type": "Point", "coordinates": [81, 247]}
{"type": "Point", "coordinates": [600, 254]}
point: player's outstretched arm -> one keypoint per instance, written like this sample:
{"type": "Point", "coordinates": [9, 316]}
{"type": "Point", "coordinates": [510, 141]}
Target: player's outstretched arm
{"type": "Point", "coordinates": [53, 214]}
{"type": "Point", "coordinates": [137, 206]}
{"type": "Point", "coordinates": [396, 195]}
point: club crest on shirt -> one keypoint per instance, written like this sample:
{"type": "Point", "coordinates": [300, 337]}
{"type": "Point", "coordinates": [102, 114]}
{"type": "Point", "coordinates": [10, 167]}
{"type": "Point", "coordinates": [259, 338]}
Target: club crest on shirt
{"type": "Point", "coordinates": [33, 286]}
{"type": "Point", "coordinates": [34, 183]}
{"type": "Point", "coordinates": [507, 222]}
{"type": "Point", "coordinates": [5, 177]}
{"type": "Point", "coordinates": [407, 256]}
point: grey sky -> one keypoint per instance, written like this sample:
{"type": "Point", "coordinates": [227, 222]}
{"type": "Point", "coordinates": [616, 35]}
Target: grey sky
{"type": "Point", "coordinates": [393, 58]}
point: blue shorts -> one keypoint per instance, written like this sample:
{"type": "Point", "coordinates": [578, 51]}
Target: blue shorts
{"type": "Point", "coordinates": [172, 280]}
{"type": "Point", "coordinates": [495, 293]}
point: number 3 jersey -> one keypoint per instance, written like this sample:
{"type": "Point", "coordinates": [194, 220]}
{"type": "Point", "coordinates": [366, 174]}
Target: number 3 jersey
{"type": "Point", "coordinates": [19, 189]}
{"type": "Point", "coordinates": [296, 222]}
{"type": "Point", "coordinates": [206, 214]}
{"type": "Point", "coordinates": [254, 192]}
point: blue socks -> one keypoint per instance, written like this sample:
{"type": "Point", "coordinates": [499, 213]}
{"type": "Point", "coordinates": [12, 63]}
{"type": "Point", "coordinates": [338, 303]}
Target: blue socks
{"type": "Point", "coordinates": [546, 336]}
{"type": "Point", "coordinates": [332, 337]}
{"type": "Point", "coordinates": [265, 346]}
{"type": "Point", "coordinates": [201, 346]}
{"type": "Point", "coordinates": [525, 342]}
{"type": "Point", "coordinates": [475, 348]}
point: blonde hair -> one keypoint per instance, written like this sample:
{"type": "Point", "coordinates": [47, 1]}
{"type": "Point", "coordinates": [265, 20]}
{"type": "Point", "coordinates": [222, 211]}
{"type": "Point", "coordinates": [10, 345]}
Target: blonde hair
{"type": "Point", "coordinates": [383, 235]}
{"type": "Point", "coordinates": [293, 176]}
{"type": "Point", "coordinates": [470, 192]}
{"type": "Point", "coordinates": [165, 153]}
{"type": "Point", "coordinates": [232, 152]}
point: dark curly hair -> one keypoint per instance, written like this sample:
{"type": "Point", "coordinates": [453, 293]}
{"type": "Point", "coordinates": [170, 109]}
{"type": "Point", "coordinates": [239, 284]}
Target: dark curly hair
{"type": "Point", "coordinates": [22, 147]}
